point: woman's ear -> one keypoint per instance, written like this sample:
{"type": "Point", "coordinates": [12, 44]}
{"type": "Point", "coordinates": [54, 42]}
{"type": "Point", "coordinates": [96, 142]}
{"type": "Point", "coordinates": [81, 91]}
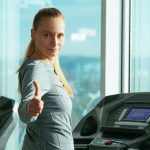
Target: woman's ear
{"type": "Point", "coordinates": [32, 35]}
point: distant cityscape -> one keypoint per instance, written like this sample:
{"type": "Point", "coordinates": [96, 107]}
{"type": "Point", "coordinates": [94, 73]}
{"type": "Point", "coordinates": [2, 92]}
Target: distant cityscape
{"type": "Point", "coordinates": [83, 74]}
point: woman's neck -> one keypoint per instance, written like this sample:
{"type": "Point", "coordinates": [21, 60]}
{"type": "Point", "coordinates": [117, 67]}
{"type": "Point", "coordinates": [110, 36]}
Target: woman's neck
{"type": "Point", "coordinates": [46, 60]}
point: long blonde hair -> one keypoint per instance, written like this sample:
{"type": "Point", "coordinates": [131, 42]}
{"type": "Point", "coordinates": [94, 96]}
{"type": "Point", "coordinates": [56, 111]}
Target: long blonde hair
{"type": "Point", "coordinates": [48, 12]}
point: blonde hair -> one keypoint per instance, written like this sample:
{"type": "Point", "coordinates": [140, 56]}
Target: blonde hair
{"type": "Point", "coordinates": [48, 12]}
{"type": "Point", "coordinates": [61, 76]}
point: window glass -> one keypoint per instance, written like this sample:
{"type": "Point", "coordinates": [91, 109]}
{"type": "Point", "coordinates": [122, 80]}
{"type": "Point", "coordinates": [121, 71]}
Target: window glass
{"type": "Point", "coordinates": [9, 54]}
{"type": "Point", "coordinates": [80, 57]}
{"type": "Point", "coordinates": [139, 46]}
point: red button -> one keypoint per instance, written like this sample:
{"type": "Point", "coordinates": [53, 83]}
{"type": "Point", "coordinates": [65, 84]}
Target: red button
{"type": "Point", "coordinates": [108, 142]}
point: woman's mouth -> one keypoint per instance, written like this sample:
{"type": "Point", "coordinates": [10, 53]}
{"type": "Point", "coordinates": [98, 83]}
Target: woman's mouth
{"type": "Point", "coordinates": [52, 50]}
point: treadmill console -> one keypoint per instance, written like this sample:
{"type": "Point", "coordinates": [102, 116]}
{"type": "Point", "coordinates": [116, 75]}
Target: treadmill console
{"type": "Point", "coordinates": [123, 122]}
{"type": "Point", "coordinates": [134, 116]}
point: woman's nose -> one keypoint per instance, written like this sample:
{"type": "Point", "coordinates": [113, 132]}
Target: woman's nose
{"type": "Point", "coordinates": [54, 41]}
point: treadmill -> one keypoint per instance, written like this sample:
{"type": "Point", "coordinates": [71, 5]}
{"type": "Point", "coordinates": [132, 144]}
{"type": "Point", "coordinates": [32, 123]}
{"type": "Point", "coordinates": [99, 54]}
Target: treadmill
{"type": "Point", "coordinates": [8, 120]}
{"type": "Point", "coordinates": [118, 122]}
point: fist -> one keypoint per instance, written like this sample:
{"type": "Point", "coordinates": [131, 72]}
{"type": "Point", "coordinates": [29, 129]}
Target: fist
{"type": "Point", "coordinates": [35, 106]}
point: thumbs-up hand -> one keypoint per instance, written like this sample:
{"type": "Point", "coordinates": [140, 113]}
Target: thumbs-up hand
{"type": "Point", "coordinates": [35, 106]}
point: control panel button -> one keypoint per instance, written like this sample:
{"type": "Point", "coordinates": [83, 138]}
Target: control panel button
{"type": "Point", "coordinates": [108, 142]}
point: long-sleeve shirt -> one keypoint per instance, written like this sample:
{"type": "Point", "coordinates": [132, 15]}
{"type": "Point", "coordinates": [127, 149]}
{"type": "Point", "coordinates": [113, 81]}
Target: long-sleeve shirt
{"type": "Point", "coordinates": [51, 130]}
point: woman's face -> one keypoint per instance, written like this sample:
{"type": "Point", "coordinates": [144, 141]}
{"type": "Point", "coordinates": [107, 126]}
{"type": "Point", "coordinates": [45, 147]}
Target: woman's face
{"type": "Point", "coordinates": [49, 37]}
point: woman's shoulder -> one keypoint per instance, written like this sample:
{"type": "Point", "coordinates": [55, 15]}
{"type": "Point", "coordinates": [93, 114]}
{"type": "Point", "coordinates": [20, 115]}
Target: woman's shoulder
{"type": "Point", "coordinates": [30, 63]}
{"type": "Point", "coordinates": [35, 64]}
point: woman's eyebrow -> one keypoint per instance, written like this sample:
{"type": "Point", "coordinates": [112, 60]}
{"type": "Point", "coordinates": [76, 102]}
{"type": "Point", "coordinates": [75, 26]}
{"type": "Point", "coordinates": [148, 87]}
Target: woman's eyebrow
{"type": "Point", "coordinates": [46, 31]}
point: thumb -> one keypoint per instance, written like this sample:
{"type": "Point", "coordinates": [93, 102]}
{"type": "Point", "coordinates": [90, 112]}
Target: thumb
{"type": "Point", "coordinates": [37, 89]}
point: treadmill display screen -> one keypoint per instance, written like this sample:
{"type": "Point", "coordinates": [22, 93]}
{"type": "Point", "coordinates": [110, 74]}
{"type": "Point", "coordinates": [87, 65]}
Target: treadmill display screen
{"type": "Point", "coordinates": [137, 114]}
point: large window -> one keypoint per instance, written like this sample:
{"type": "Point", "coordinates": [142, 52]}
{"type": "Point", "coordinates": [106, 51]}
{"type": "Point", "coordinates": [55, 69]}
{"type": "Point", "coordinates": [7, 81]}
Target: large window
{"type": "Point", "coordinates": [9, 54]}
{"type": "Point", "coordinates": [80, 57]}
{"type": "Point", "coordinates": [111, 40]}
{"type": "Point", "coordinates": [140, 46]}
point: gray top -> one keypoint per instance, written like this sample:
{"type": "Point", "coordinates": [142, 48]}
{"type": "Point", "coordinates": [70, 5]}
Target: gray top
{"type": "Point", "coordinates": [51, 130]}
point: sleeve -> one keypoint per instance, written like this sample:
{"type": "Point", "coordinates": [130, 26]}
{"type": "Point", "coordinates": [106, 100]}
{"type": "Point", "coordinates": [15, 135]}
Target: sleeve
{"type": "Point", "coordinates": [30, 73]}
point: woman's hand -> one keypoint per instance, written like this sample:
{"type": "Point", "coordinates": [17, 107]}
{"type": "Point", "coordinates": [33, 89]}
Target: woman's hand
{"type": "Point", "coordinates": [35, 106]}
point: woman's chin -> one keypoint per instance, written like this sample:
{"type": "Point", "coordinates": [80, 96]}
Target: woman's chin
{"type": "Point", "coordinates": [52, 55]}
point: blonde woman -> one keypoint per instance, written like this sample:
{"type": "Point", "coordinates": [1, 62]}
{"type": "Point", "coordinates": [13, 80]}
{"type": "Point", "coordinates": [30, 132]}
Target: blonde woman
{"type": "Point", "coordinates": [45, 94]}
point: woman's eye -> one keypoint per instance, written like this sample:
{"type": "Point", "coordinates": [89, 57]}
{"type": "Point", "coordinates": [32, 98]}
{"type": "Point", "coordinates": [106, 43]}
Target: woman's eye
{"type": "Point", "coordinates": [60, 36]}
{"type": "Point", "coordinates": [47, 35]}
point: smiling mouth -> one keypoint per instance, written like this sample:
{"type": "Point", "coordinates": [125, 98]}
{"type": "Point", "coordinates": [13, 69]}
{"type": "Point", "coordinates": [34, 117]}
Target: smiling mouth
{"type": "Point", "coordinates": [52, 50]}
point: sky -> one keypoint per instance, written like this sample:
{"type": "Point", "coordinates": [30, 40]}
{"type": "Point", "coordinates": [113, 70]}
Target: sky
{"type": "Point", "coordinates": [82, 37]}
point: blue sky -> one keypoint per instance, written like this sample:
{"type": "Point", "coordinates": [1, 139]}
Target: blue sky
{"type": "Point", "coordinates": [82, 24]}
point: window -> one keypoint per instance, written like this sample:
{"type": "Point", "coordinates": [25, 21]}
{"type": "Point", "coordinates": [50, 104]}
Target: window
{"type": "Point", "coordinates": [80, 57]}
{"type": "Point", "coordinates": [111, 34]}
{"type": "Point", "coordinates": [139, 46]}
{"type": "Point", "coordinates": [9, 53]}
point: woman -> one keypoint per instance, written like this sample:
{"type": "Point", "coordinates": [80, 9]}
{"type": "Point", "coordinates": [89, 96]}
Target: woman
{"type": "Point", "coordinates": [45, 94]}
